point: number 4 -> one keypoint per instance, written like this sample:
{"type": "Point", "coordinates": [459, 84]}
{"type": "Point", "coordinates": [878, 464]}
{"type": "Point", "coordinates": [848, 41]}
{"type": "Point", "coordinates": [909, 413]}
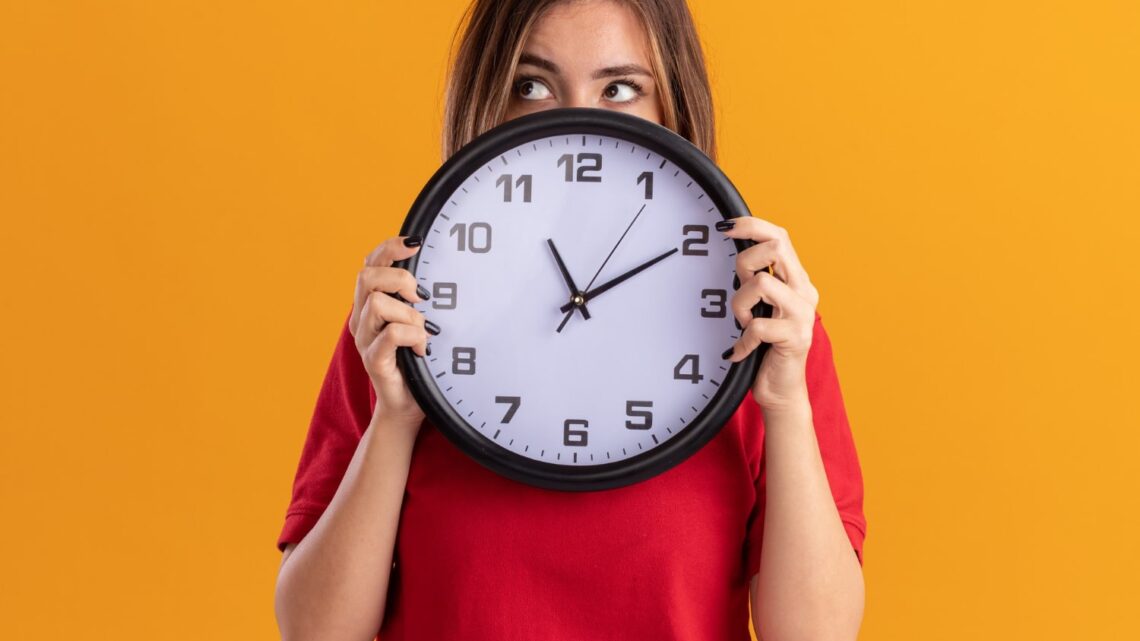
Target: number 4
{"type": "Point", "coordinates": [694, 376]}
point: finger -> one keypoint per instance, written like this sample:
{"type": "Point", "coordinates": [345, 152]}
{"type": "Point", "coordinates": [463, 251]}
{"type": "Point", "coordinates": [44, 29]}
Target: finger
{"type": "Point", "coordinates": [760, 230]}
{"type": "Point", "coordinates": [765, 330]}
{"type": "Point", "coordinates": [771, 254]}
{"type": "Point", "coordinates": [380, 355]}
{"type": "Point", "coordinates": [393, 249]}
{"type": "Point", "coordinates": [769, 289]}
{"type": "Point", "coordinates": [751, 228]}
{"type": "Point", "coordinates": [380, 310]}
{"type": "Point", "coordinates": [392, 280]}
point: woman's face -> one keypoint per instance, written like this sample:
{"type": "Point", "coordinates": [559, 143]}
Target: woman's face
{"type": "Point", "coordinates": [588, 53]}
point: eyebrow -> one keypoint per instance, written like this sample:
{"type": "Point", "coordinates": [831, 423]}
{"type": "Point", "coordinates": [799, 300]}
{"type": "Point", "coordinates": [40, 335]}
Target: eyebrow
{"type": "Point", "coordinates": [605, 72]}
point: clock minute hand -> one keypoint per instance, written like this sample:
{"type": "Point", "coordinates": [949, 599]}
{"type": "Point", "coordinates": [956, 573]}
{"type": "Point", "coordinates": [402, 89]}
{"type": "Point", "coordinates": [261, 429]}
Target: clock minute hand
{"type": "Point", "coordinates": [600, 289]}
{"type": "Point", "coordinates": [568, 307]}
{"type": "Point", "coordinates": [566, 277]}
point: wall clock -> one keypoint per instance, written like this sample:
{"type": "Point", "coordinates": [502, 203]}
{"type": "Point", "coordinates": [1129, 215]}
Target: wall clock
{"type": "Point", "coordinates": [583, 293]}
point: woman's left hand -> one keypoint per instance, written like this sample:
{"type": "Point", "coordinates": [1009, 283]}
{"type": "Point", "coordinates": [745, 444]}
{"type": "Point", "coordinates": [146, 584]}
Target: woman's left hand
{"type": "Point", "coordinates": [781, 381]}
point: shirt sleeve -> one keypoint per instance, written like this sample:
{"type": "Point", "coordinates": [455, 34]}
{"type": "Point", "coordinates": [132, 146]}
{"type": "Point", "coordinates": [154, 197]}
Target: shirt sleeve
{"type": "Point", "coordinates": [342, 413]}
{"type": "Point", "coordinates": [836, 448]}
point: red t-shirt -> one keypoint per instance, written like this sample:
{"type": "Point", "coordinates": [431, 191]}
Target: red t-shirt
{"type": "Point", "coordinates": [481, 557]}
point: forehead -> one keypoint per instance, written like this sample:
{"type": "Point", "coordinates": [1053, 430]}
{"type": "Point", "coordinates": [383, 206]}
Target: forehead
{"type": "Point", "coordinates": [583, 35]}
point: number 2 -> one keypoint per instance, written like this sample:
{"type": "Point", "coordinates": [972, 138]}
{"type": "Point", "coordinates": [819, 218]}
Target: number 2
{"type": "Point", "coordinates": [687, 247]}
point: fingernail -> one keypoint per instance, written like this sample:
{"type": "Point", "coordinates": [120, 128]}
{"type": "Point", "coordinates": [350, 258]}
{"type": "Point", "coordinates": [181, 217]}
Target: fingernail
{"type": "Point", "coordinates": [431, 328]}
{"type": "Point", "coordinates": [414, 240]}
{"type": "Point", "coordinates": [728, 352]}
{"type": "Point", "coordinates": [725, 225]}
{"type": "Point", "coordinates": [427, 350]}
{"type": "Point", "coordinates": [422, 293]}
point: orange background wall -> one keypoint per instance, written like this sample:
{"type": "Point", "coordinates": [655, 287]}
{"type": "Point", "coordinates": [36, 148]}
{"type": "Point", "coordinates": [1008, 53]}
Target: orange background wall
{"type": "Point", "coordinates": [188, 188]}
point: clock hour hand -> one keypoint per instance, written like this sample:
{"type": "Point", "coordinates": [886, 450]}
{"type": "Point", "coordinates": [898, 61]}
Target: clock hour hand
{"type": "Point", "coordinates": [591, 294]}
{"type": "Point", "coordinates": [566, 277]}
{"type": "Point", "coordinates": [577, 300]}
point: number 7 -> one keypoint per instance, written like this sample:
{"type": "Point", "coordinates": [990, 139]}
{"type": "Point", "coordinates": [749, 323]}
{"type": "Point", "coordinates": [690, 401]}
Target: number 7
{"type": "Point", "coordinates": [514, 402]}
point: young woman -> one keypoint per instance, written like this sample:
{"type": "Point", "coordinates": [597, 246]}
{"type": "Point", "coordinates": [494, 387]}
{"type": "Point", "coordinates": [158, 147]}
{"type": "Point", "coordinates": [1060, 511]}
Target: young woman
{"type": "Point", "coordinates": [392, 530]}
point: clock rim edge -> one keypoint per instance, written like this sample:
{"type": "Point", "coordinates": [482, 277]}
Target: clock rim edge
{"type": "Point", "coordinates": [450, 175]}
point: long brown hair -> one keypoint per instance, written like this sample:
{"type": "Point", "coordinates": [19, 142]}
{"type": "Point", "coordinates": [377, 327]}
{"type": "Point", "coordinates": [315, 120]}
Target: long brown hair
{"type": "Point", "coordinates": [493, 32]}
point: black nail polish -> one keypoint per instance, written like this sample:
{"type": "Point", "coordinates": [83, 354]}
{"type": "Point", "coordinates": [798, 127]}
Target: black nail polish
{"type": "Point", "coordinates": [725, 225]}
{"type": "Point", "coordinates": [413, 241]}
{"type": "Point", "coordinates": [422, 292]}
{"type": "Point", "coordinates": [427, 350]}
{"type": "Point", "coordinates": [431, 328]}
{"type": "Point", "coordinates": [728, 352]}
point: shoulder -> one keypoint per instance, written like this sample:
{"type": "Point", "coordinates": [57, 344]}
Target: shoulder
{"type": "Point", "coordinates": [820, 372]}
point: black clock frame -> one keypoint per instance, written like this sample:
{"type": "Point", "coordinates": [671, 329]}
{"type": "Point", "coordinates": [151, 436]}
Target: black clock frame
{"type": "Point", "coordinates": [474, 156]}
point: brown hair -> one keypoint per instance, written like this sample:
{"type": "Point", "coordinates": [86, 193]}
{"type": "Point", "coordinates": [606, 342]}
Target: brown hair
{"type": "Point", "coordinates": [483, 66]}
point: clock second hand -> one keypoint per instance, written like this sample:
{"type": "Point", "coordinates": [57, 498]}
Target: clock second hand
{"type": "Point", "coordinates": [591, 284]}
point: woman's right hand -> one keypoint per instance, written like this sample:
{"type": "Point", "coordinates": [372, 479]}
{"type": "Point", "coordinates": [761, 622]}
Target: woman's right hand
{"type": "Point", "coordinates": [381, 322]}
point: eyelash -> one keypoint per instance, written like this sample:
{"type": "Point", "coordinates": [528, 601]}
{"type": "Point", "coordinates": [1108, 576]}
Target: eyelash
{"type": "Point", "coordinates": [637, 88]}
{"type": "Point", "coordinates": [525, 79]}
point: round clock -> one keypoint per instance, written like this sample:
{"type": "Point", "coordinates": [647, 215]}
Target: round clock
{"type": "Point", "coordinates": [583, 295]}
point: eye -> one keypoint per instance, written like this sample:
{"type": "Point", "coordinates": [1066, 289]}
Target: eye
{"type": "Point", "coordinates": [622, 91]}
{"type": "Point", "coordinates": [532, 89]}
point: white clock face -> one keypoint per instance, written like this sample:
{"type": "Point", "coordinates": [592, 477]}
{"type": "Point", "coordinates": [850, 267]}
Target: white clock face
{"type": "Point", "coordinates": [551, 385]}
